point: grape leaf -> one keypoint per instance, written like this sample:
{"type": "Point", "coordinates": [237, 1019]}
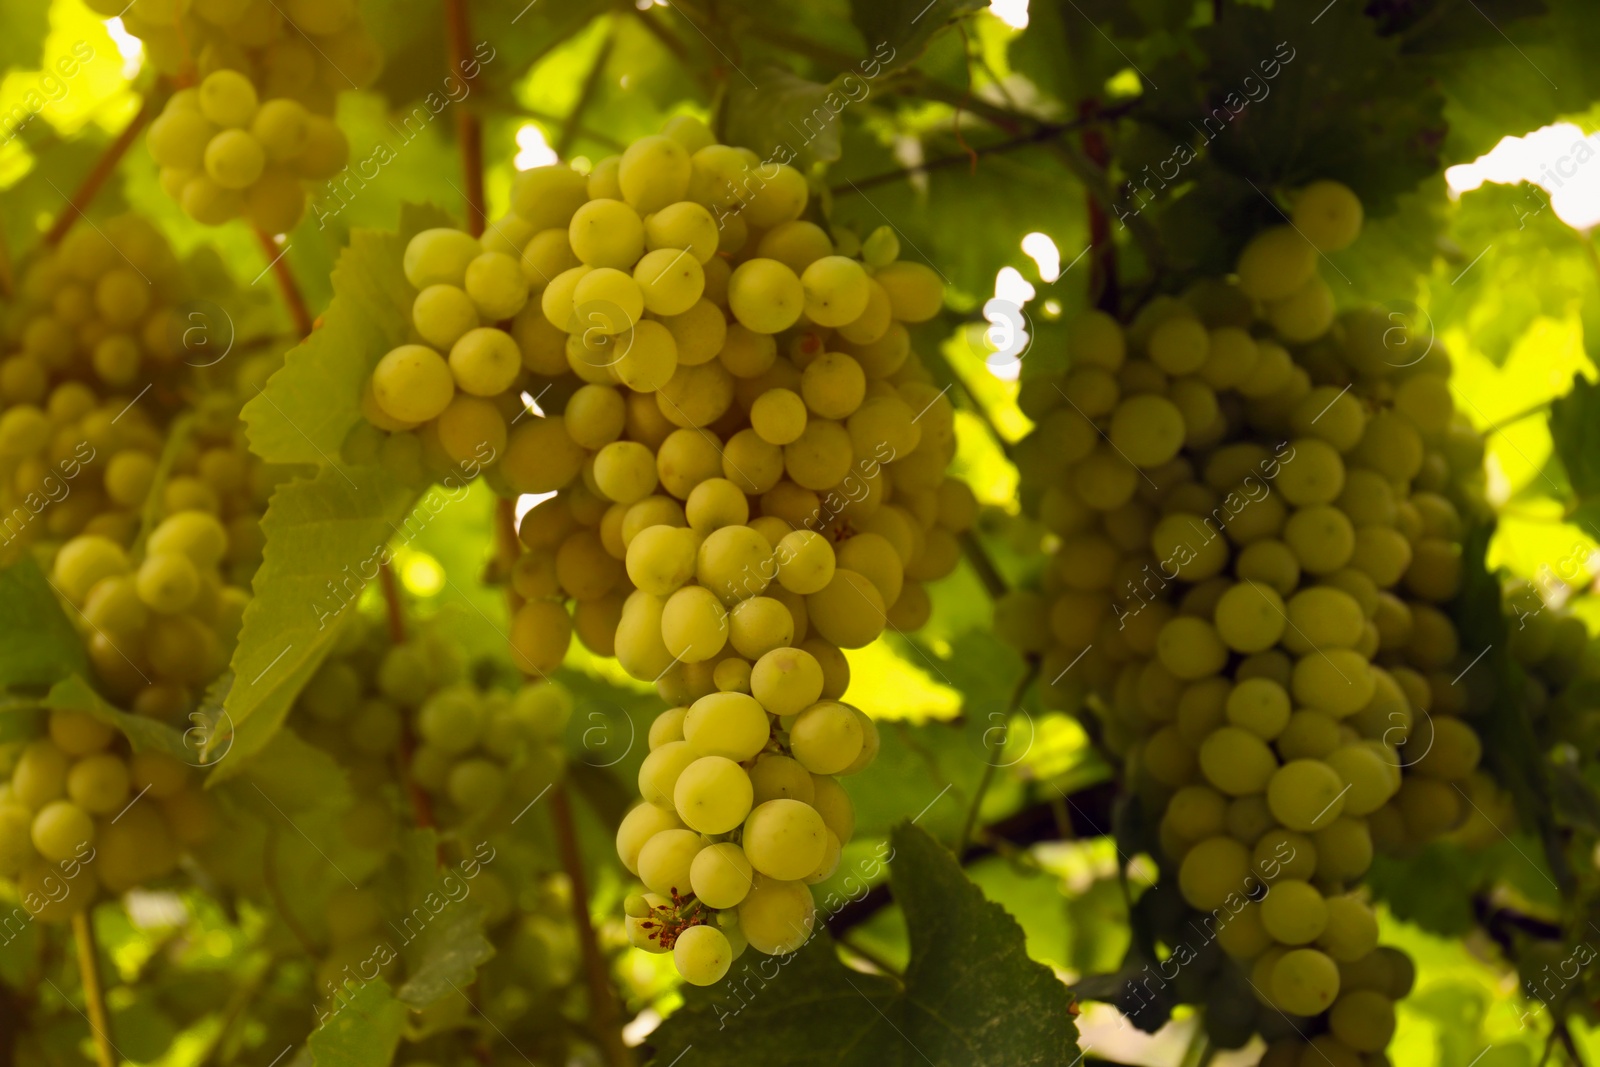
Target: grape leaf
{"type": "Point", "coordinates": [1575, 431]}
{"type": "Point", "coordinates": [326, 537]}
{"type": "Point", "coordinates": [314, 400]}
{"type": "Point", "coordinates": [363, 1031]}
{"type": "Point", "coordinates": [442, 925]}
{"type": "Point", "coordinates": [970, 995]}
{"type": "Point", "coordinates": [785, 118]}
{"type": "Point", "coordinates": [904, 27]}
{"type": "Point", "coordinates": [144, 733]}
{"type": "Point", "coordinates": [21, 718]}
{"type": "Point", "coordinates": [38, 644]}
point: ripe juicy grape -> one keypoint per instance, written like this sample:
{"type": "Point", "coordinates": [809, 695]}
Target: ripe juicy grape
{"type": "Point", "coordinates": [747, 463]}
{"type": "Point", "coordinates": [1260, 512]}
{"type": "Point", "coordinates": [80, 812]}
{"type": "Point", "coordinates": [258, 126]}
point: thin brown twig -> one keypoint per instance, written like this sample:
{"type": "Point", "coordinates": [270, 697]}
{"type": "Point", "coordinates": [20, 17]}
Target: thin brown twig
{"type": "Point", "coordinates": [93, 992]}
{"type": "Point", "coordinates": [993, 762]}
{"type": "Point", "coordinates": [293, 299]}
{"type": "Point", "coordinates": [89, 188]}
{"type": "Point", "coordinates": [993, 581]}
{"type": "Point", "coordinates": [469, 129]}
{"type": "Point", "coordinates": [605, 1017]}
{"type": "Point", "coordinates": [396, 609]}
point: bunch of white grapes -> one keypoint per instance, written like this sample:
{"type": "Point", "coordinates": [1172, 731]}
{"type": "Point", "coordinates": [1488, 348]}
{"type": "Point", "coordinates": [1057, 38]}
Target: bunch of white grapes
{"type": "Point", "coordinates": [79, 812]}
{"type": "Point", "coordinates": [224, 151]}
{"type": "Point", "coordinates": [742, 812]}
{"type": "Point", "coordinates": [308, 51]}
{"type": "Point", "coordinates": [1249, 501]}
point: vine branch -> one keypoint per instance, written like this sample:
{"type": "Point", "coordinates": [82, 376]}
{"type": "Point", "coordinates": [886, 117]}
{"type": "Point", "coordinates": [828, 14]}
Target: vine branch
{"type": "Point", "coordinates": [293, 298]}
{"type": "Point", "coordinates": [93, 992]}
{"type": "Point", "coordinates": [87, 189]}
{"type": "Point", "coordinates": [991, 764]}
{"type": "Point", "coordinates": [605, 1017]}
{"type": "Point", "coordinates": [469, 130]}
{"type": "Point", "coordinates": [993, 581]}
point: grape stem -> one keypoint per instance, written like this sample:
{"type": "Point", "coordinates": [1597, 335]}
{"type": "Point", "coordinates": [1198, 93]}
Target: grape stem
{"type": "Point", "coordinates": [469, 129]}
{"type": "Point", "coordinates": [591, 86]}
{"type": "Point", "coordinates": [605, 1017]}
{"type": "Point", "coordinates": [93, 992]}
{"type": "Point", "coordinates": [396, 607]}
{"type": "Point", "coordinates": [993, 762]}
{"type": "Point", "coordinates": [293, 299]}
{"type": "Point", "coordinates": [89, 188]}
{"type": "Point", "coordinates": [988, 573]}
{"type": "Point", "coordinates": [855, 948]}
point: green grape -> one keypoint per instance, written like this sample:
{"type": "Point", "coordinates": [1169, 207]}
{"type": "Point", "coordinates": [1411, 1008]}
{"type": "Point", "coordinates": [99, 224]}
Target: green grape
{"type": "Point", "coordinates": [196, 534]}
{"type": "Point", "coordinates": [667, 727]}
{"type": "Point", "coordinates": [751, 463]}
{"type": "Point", "coordinates": [1351, 932]}
{"type": "Point", "coordinates": [1180, 345]}
{"type": "Point", "coordinates": [167, 582]}
{"type": "Point", "coordinates": [1213, 871]}
{"type": "Point", "coordinates": [476, 785]}
{"type": "Point", "coordinates": [61, 830]}
{"type": "Point", "coordinates": [848, 612]}
{"type": "Point", "coordinates": [596, 416]}
{"type": "Point", "coordinates": [129, 476]}
{"type": "Point", "coordinates": [227, 98]}
{"type": "Point", "coordinates": [544, 256]}
{"type": "Point", "coordinates": [649, 359]}
{"type": "Point", "coordinates": [881, 247]}
{"type": "Point", "coordinates": [666, 859]}
{"type": "Point", "coordinates": [702, 955]}
{"type": "Point", "coordinates": [746, 353]}
{"type": "Point", "coordinates": [1275, 263]}
{"type": "Point", "coordinates": [640, 647]}
{"type": "Point", "coordinates": [1306, 794]}
{"type": "Point", "coordinates": [1338, 681]}
{"type": "Point", "coordinates": [778, 199]}
{"type": "Point", "coordinates": [833, 385]}
{"type": "Point", "coordinates": [734, 562]}
{"type": "Point", "coordinates": [98, 784]}
{"type": "Point", "coordinates": [326, 152]}
{"type": "Point", "coordinates": [1305, 314]}
{"type": "Point", "coordinates": [16, 841]}
{"type": "Point", "coordinates": [835, 290]}
{"type": "Point", "coordinates": [785, 839]}
{"type": "Point", "coordinates": [1147, 429]}
{"type": "Point", "coordinates": [1250, 617]}
{"type": "Point", "coordinates": [696, 396]}
{"type": "Point", "coordinates": [413, 383]}
{"type": "Point", "coordinates": [439, 257]}
{"type": "Point", "coordinates": [821, 457]}
{"type": "Point", "coordinates": [700, 332]}
{"type": "Point", "coordinates": [1294, 913]}
{"type": "Point", "coordinates": [776, 777]}
{"type": "Point", "coordinates": [548, 196]}
{"type": "Point", "coordinates": [779, 416]}
{"type": "Point", "coordinates": [1344, 848]}
{"type": "Point", "coordinates": [1366, 774]}
{"type": "Point", "coordinates": [721, 876]}
{"type": "Point", "coordinates": [693, 624]}
{"type": "Point", "coordinates": [777, 917]}
{"type": "Point", "coordinates": [77, 733]}
{"type": "Point", "coordinates": [451, 720]}
{"type": "Point", "coordinates": [282, 127]}
{"type": "Point", "coordinates": [1329, 215]}
{"type": "Point", "coordinates": [653, 173]}
{"type": "Point", "coordinates": [731, 676]}
{"type": "Point", "coordinates": [731, 725]}
{"type": "Point", "coordinates": [916, 292]}
{"type": "Point", "coordinates": [1236, 761]}
{"type": "Point", "coordinates": [660, 559]}
{"type": "Point", "coordinates": [1304, 982]}
{"type": "Point", "coordinates": [1259, 705]}
{"type": "Point", "coordinates": [682, 225]}
{"type": "Point", "coordinates": [1190, 648]}
{"type": "Point", "coordinates": [795, 244]}
{"type": "Point", "coordinates": [642, 823]}
{"type": "Point", "coordinates": [625, 471]}
{"type": "Point", "coordinates": [496, 286]}
{"type": "Point", "coordinates": [765, 296]}
{"type": "Point", "coordinates": [658, 775]}
{"type": "Point", "coordinates": [178, 138]}
{"type": "Point", "coordinates": [234, 159]}
{"type": "Point", "coordinates": [608, 301]}
{"type": "Point", "coordinates": [607, 233]}
{"type": "Point", "coordinates": [760, 625]}
{"type": "Point", "coordinates": [83, 561]}
{"type": "Point", "coordinates": [39, 775]}
{"type": "Point", "coordinates": [786, 681]}
{"type": "Point", "coordinates": [713, 794]}
{"type": "Point", "coordinates": [874, 557]}
{"type": "Point", "coordinates": [483, 362]}
{"type": "Point", "coordinates": [826, 737]}
{"type": "Point", "coordinates": [671, 282]}
{"type": "Point", "coordinates": [471, 430]}
{"type": "Point", "coordinates": [714, 504]}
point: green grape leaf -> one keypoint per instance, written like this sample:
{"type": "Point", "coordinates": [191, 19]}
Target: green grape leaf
{"type": "Point", "coordinates": [295, 775]}
{"type": "Point", "coordinates": [144, 733]}
{"type": "Point", "coordinates": [21, 718]}
{"type": "Point", "coordinates": [1575, 432]}
{"type": "Point", "coordinates": [27, 23]}
{"type": "Point", "coordinates": [785, 118]}
{"type": "Point", "coordinates": [312, 403]}
{"type": "Point", "coordinates": [325, 539]}
{"type": "Point", "coordinates": [361, 1030]}
{"type": "Point", "coordinates": [970, 995]}
{"type": "Point", "coordinates": [440, 928]}
{"type": "Point", "coordinates": [38, 643]}
{"type": "Point", "coordinates": [897, 32]}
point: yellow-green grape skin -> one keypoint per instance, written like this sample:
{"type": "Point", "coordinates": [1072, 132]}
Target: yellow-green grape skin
{"type": "Point", "coordinates": [227, 98]}
{"type": "Point", "coordinates": [777, 916]}
{"type": "Point", "coordinates": [702, 955]}
{"type": "Point", "coordinates": [765, 296]}
{"type": "Point", "coordinates": [778, 416]}
{"type": "Point", "coordinates": [607, 233]}
{"type": "Point", "coordinates": [786, 681]}
{"type": "Point", "coordinates": [439, 256]}
{"type": "Point", "coordinates": [785, 839]}
{"type": "Point", "coordinates": [442, 314]}
{"type": "Point", "coordinates": [1329, 214]}
{"type": "Point", "coordinates": [1305, 982]}
{"type": "Point", "coordinates": [712, 795]}
{"type": "Point", "coordinates": [836, 290]}
{"type": "Point", "coordinates": [666, 860]}
{"type": "Point", "coordinates": [732, 725]}
{"type": "Point", "coordinates": [496, 286]}
{"type": "Point", "coordinates": [721, 875]}
{"type": "Point", "coordinates": [671, 281]}
{"type": "Point", "coordinates": [694, 624]}
{"type": "Point", "coordinates": [826, 737]}
{"type": "Point", "coordinates": [642, 822]}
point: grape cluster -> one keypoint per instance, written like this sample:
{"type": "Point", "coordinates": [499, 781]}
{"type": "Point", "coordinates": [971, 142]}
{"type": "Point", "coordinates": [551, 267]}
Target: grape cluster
{"type": "Point", "coordinates": [1255, 508]}
{"type": "Point", "coordinates": [257, 125]}
{"type": "Point", "coordinates": [79, 812]}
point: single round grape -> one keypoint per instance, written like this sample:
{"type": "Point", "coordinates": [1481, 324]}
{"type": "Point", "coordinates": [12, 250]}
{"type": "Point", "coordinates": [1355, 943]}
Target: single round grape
{"type": "Point", "coordinates": [713, 794]}
{"type": "Point", "coordinates": [98, 784]}
{"type": "Point", "coordinates": [833, 385]}
{"type": "Point", "coordinates": [734, 562]}
{"type": "Point", "coordinates": [786, 681]}
{"type": "Point", "coordinates": [439, 256]}
{"type": "Point", "coordinates": [836, 290]}
{"type": "Point", "coordinates": [625, 471]}
{"type": "Point", "coordinates": [660, 559]}
{"type": "Point", "coordinates": [1294, 913]}
{"type": "Point", "coordinates": [849, 611]}
{"type": "Point", "coordinates": [227, 98]}
{"type": "Point", "coordinates": [715, 503]}
{"type": "Point", "coordinates": [62, 830]}
{"type": "Point", "coordinates": [607, 301]}
{"type": "Point", "coordinates": [653, 173]}
{"type": "Point", "coordinates": [671, 282]}
{"type": "Point", "coordinates": [1276, 262]}
{"type": "Point", "coordinates": [826, 737]}
{"type": "Point", "coordinates": [1213, 871]}
{"type": "Point", "coordinates": [731, 675]}
{"type": "Point", "coordinates": [760, 625]}
{"type": "Point", "coordinates": [694, 624]}
{"type": "Point", "coordinates": [77, 733]}
{"type": "Point", "coordinates": [916, 292]}
{"type": "Point", "coordinates": [607, 233]}
{"type": "Point", "coordinates": [765, 296]}
{"type": "Point", "coordinates": [548, 196]}
{"type": "Point", "coordinates": [1305, 982]}
{"type": "Point", "coordinates": [643, 822]}
{"type": "Point", "coordinates": [1329, 215]}
{"type": "Point", "coordinates": [1147, 429]}
{"type": "Point", "coordinates": [167, 582]}
{"type": "Point", "coordinates": [732, 725]}
{"type": "Point", "coordinates": [1259, 705]}
{"type": "Point", "coordinates": [700, 331]}
{"type": "Point", "coordinates": [471, 431]}
{"type": "Point", "coordinates": [666, 859]}
{"type": "Point", "coordinates": [1352, 930]}
{"type": "Point", "coordinates": [1236, 761]}
{"type": "Point", "coordinates": [721, 875]}
{"type": "Point", "coordinates": [785, 839]}
{"type": "Point", "coordinates": [1250, 617]}
{"type": "Point", "coordinates": [235, 159]}
{"type": "Point", "coordinates": [413, 383]}
{"type": "Point", "coordinates": [777, 916]}
{"type": "Point", "coordinates": [476, 785]}
{"type": "Point", "coordinates": [541, 632]}
{"type": "Point", "coordinates": [683, 225]}
{"type": "Point", "coordinates": [702, 955]}
{"type": "Point", "coordinates": [483, 362]}
{"type": "Point", "coordinates": [496, 286]}
{"type": "Point", "coordinates": [196, 534]}
{"type": "Point", "coordinates": [779, 416]}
